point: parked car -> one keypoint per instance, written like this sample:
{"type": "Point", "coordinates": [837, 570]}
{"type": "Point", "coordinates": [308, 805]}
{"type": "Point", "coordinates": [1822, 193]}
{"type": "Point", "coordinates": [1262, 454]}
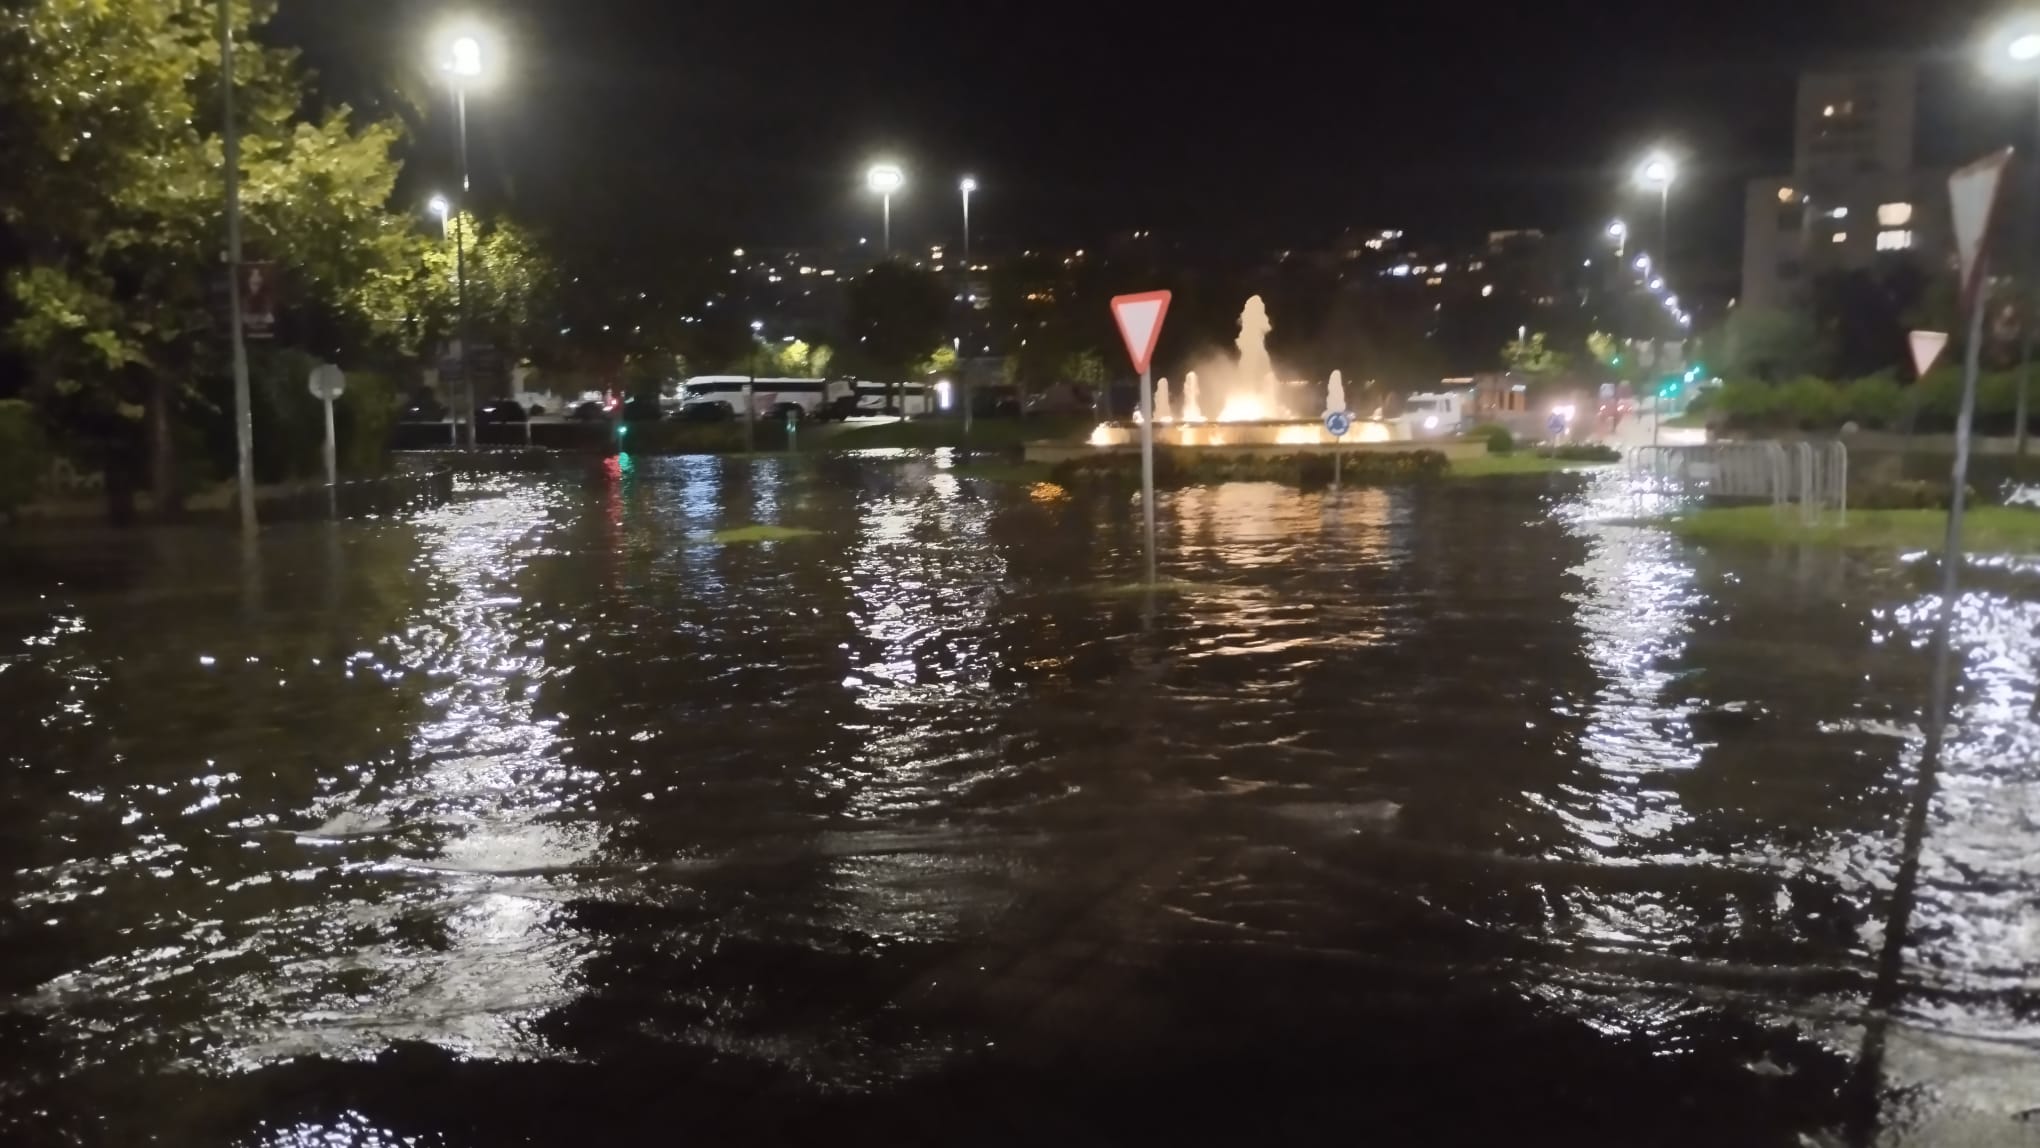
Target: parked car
{"type": "Point", "coordinates": [642, 410]}
{"type": "Point", "coordinates": [589, 412]}
{"type": "Point", "coordinates": [424, 409]}
{"type": "Point", "coordinates": [503, 411]}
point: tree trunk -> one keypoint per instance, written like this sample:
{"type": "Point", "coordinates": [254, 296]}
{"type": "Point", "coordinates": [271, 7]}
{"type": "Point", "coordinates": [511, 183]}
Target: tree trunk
{"type": "Point", "coordinates": [162, 448]}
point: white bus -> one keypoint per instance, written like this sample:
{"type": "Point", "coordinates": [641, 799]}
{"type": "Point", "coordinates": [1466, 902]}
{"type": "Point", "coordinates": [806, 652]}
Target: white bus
{"type": "Point", "coordinates": [722, 396]}
{"type": "Point", "coordinates": [701, 395]}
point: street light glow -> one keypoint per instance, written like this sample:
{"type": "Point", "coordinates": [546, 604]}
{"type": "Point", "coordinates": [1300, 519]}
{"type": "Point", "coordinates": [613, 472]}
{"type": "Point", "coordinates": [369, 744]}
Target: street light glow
{"type": "Point", "coordinates": [439, 206]}
{"type": "Point", "coordinates": [1657, 170]}
{"type": "Point", "coordinates": [884, 178]}
{"type": "Point", "coordinates": [467, 57]}
{"type": "Point", "coordinates": [1643, 263]}
{"type": "Point", "coordinates": [2013, 50]}
{"type": "Point", "coordinates": [968, 185]}
{"type": "Point", "coordinates": [1618, 229]}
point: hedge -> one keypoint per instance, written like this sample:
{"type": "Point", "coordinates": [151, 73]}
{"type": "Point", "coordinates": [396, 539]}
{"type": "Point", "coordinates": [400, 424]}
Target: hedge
{"type": "Point", "coordinates": [1879, 402]}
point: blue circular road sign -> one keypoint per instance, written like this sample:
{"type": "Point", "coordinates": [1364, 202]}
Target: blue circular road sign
{"type": "Point", "coordinates": [1338, 422]}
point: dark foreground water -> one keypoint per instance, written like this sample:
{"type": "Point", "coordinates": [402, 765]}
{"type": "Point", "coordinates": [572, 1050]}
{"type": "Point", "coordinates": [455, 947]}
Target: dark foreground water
{"type": "Point", "coordinates": [1470, 815]}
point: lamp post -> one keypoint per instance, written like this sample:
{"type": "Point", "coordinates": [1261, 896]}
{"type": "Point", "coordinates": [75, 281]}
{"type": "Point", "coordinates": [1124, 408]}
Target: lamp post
{"type": "Point", "coordinates": [2015, 53]}
{"type": "Point", "coordinates": [1619, 232]}
{"type": "Point", "coordinates": [967, 186]}
{"type": "Point", "coordinates": [464, 68]}
{"type": "Point", "coordinates": [885, 178]}
{"type": "Point", "coordinates": [244, 426]}
{"type": "Point", "coordinates": [1657, 170]}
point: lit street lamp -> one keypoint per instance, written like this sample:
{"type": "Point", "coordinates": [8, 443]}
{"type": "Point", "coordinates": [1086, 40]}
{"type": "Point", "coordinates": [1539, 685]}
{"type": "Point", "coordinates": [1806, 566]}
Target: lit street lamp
{"type": "Point", "coordinates": [443, 210]}
{"type": "Point", "coordinates": [885, 179]}
{"type": "Point", "coordinates": [2014, 53]}
{"type": "Point", "coordinates": [1619, 232]}
{"type": "Point", "coordinates": [967, 186]}
{"type": "Point", "coordinates": [464, 68]}
{"type": "Point", "coordinates": [1657, 170]}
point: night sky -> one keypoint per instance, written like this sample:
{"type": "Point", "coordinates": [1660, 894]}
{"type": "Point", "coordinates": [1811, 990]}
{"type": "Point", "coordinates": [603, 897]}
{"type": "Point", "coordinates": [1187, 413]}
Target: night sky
{"type": "Point", "coordinates": [641, 123]}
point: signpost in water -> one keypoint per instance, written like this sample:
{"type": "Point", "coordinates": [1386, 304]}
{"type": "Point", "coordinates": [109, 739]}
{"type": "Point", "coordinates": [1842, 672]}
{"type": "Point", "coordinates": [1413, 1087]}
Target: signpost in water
{"type": "Point", "coordinates": [1140, 324]}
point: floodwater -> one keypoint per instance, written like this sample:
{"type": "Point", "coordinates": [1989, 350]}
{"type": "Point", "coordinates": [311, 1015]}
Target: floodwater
{"type": "Point", "coordinates": [1477, 814]}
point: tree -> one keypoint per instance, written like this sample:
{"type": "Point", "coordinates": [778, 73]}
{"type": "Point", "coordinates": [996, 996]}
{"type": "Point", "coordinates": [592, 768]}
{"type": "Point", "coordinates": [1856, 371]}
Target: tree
{"type": "Point", "coordinates": [896, 313]}
{"type": "Point", "coordinates": [110, 173]}
{"type": "Point", "coordinates": [1603, 349]}
{"type": "Point", "coordinates": [1772, 345]}
{"type": "Point", "coordinates": [941, 361]}
{"type": "Point", "coordinates": [1533, 359]}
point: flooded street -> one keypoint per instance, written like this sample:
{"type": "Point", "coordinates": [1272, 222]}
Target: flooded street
{"type": "Point", "coordinates": [1419, 816]}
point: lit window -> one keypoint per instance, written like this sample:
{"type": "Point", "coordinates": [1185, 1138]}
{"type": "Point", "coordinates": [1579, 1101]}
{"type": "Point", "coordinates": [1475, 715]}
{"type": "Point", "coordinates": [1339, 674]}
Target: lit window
{"type": "Point", "coordinates": [1894, 214]}
{"type": "Point", "coordinates": [1841, 237]}
{"type": "Point", "coordinates": [1785, 194]}
{"type": "Point", "coordinates": [1828, 111]}
{"type": "Point", "coordinates": [1374, 243]}
{"type": "Point", "coordinates": [1399, 270]}
{"type": "Point", "coordinates": [1433, 281]}
{"type": "Point", "coordinates": [1894, 240]}
{"type": "Point", "coordinates": [1475, 265]}
{"type": "Point", "coordinates": [1487, 290]}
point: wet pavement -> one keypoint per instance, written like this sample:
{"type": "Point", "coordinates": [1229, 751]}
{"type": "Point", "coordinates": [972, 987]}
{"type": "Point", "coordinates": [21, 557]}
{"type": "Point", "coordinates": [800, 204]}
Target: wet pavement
{"type": "Point", "coordinates": [1476, 814]}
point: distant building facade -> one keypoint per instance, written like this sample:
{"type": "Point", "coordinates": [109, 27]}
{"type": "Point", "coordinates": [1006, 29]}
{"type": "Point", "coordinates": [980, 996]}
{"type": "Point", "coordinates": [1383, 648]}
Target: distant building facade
{"type": "Point", "coordinates": [1854, 199]}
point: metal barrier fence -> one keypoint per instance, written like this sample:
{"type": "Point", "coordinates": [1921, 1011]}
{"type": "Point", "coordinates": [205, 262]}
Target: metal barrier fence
{"type": "Point", "coordinates": [1814, 475]}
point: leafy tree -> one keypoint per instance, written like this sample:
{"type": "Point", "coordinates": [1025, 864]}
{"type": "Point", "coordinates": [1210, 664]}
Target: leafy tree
{"type": "Point", "coordinates": [1771, 345]}
{"type": "Point", "coordinates": [896, 313]}
{"type": "Point", "coordinates": [1532, 358]}
{"type": "Point", "coordinates": [1086, 367]}
{"type": "Point", "coordinates": [1603, 349]}
{"type": "Point", "coordinates": [941, 361]}
{"type": "Point", "coordinates": [110, 173]}
{"type": "Point", "coordinates": [511, 286]}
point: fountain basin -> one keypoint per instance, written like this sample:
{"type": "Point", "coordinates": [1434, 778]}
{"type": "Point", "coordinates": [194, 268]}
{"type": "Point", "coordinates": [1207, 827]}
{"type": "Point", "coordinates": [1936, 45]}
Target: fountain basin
{"type": "Point", "coordinates": [1287, 436]}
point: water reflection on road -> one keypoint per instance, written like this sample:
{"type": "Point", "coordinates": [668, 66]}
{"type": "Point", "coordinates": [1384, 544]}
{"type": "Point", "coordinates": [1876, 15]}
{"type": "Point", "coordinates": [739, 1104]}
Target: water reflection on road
{"type": "Point", "coordinates": [542, 812]}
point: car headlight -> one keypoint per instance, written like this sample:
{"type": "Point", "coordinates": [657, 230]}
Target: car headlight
{"type": "Point", "coordinates": [1430, 422]}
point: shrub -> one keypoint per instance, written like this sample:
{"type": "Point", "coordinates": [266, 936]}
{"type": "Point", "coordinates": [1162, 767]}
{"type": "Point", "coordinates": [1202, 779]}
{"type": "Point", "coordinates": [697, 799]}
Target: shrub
{"type": "Point", "coordinates": [24, 454]}
{"type": "Point", "coordinates": [1746, 402]}
{"type": "Point", "coordinates": [1877, 402]}
{"type": "Point", "coordinates": [1810, 403]}
{"type": "Point", "coordinates": [1911, 494]}
{"type": "Point", "coordinates": [1499, 440]}
{"type": "Point", "coordinates": [1581, 452]}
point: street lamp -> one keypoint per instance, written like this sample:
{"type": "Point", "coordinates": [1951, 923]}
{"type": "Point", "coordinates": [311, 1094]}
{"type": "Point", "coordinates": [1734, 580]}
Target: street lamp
{"type": "Point", "coordinates": [1657, 170]}
{"type": "Point", "coordinates": [463, 66]}
{"type": "Point", "coordinates": [967, 186]}
{"type": "Point", "coordinates": [443, 210]}
{"type": "Point", "coordinates": [885, 179]}
{"type": "Point", "coordinates": [2014, 54]}
{"type": "Point", "coordinates": [1619, 232]}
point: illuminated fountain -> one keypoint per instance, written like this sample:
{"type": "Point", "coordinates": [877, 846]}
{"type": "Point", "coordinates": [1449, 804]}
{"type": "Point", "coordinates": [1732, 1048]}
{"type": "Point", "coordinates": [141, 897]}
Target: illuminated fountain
{"type": "Point", "coordinates": [1251, 411]}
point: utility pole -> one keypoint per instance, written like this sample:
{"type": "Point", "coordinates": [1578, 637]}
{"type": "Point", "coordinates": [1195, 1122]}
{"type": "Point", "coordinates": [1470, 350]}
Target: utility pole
{"type": "Point", "coordinates": [244, 426]}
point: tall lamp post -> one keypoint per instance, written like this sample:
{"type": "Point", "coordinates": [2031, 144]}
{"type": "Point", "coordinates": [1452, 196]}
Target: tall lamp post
{"type": "Point", "coordinates": [2015, 53]}
{"type": "Point", "coordinates": [464, 67]}
{"type": "Point", "coordinates": [244, 425]}
{"type": "Point", "coordinates": [1657, 170]}
{"type": "Point", "coordinates": [967, 186]}
{"type": "Point", "coordinates": [885, 179]}
{"type": "Point", "coordinates": [1619, 232]}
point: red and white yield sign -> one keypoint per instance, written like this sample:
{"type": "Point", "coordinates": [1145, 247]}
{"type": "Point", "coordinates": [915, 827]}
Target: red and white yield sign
{"type": "Point", "coordinates": [1973, 195]}
{"type": "Point", "coordinates": [1140, 323]}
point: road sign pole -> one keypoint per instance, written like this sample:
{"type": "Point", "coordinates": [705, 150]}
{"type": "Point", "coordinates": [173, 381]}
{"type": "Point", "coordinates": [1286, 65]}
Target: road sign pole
{"type": "Point", "coordinates": [1147, 467]}
{"type": "Point", "coordinates": [332, 467]}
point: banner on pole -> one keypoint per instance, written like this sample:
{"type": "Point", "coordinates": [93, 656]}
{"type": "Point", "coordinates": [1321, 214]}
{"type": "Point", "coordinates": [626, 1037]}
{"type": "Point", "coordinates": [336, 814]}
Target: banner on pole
{"type": "Point", "coordinates": [258, 300]}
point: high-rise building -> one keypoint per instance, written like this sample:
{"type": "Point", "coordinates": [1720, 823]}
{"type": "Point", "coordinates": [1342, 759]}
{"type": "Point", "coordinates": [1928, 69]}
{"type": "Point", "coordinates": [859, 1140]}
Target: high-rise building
{"type": "Point", "coordinates": [1854, 199]}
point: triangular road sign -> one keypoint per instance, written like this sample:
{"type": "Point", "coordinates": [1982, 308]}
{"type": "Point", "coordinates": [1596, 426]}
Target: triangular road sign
{"type": "Point", "coordinates": [1140, 323]}
{"type": "Point", "coordinates": [1972, 195]}
{"type": "Point", "coordinates": [1926, 347]}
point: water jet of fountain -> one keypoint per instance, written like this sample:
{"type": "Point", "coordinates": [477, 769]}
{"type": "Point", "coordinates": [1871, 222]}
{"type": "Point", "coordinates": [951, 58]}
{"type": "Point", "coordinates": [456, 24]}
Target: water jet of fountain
{"type": "Point", "coordinates": [1192, 413]}
{"type": "Point", "coordinates": [1162, 401]}
{"type": "Point", "coordinates": [1335, 394]}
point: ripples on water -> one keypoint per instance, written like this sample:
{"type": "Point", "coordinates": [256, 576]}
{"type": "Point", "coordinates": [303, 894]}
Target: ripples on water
{"type": "Point", "coordinates": [542, 812]}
